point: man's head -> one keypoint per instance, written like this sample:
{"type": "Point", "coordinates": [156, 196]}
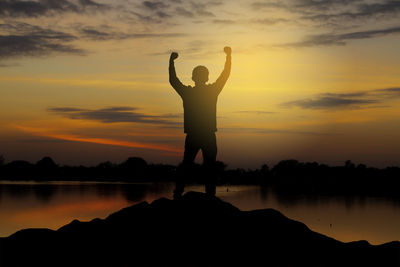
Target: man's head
{"type": "Point", "coordinates": [200, 75]}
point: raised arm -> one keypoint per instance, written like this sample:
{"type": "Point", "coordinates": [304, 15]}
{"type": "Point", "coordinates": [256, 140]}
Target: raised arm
{"type": "Point", "coordinates": [173, 80]}
{"type": "Point", "coordinates": [220, 82]}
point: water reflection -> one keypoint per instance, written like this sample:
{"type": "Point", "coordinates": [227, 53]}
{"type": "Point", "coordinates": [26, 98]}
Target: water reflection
{"type": "Point", "coordinates": [44, 191]}
{"type": "Point", "coordinates": [51, 205]}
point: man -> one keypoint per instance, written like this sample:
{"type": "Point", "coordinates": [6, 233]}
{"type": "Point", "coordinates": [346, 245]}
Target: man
{"type": "Point", "coordinates": [200, 121]}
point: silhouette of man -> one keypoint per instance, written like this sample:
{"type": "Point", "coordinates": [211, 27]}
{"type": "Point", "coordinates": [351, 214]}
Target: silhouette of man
{"type": "Point", "coordinates": [200, 122]}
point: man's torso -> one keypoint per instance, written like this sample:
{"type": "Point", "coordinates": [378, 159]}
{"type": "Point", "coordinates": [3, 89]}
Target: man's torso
{"type": "Point", "coordinates": [200, 108]}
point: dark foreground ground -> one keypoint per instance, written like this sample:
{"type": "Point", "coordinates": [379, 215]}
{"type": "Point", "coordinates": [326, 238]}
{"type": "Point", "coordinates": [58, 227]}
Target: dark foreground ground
{"type": "Point", "coordinates": [197, 230]}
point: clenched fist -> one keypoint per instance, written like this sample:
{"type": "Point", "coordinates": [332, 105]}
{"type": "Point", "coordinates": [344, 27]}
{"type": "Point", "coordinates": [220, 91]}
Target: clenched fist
{"type": "Point", "coordinates": [227, 50]}
{"type": "Point", "coordinates": [174, 56]}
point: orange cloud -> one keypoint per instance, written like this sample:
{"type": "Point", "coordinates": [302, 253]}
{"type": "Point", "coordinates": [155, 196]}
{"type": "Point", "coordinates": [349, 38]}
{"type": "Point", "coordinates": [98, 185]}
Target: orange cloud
{"type": "Point", "coordinates": [103, 141]}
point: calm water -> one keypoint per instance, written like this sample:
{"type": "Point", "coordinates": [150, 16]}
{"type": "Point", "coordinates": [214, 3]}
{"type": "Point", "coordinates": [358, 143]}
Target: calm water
{"type": "Point", "coordinates": [51, 205]}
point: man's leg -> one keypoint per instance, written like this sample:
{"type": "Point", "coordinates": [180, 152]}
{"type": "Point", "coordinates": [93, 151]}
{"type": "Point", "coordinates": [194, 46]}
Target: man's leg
{"type": "Point", "coordinates": [184, 170]}
{"type": "Point", "coordinates": [209, 150]}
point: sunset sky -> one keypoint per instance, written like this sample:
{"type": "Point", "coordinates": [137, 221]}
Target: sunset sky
{"type": "Point", "coordinates": [86, 81]}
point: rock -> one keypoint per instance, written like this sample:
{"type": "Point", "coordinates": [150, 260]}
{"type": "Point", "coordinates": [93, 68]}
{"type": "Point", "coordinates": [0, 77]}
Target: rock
{"type": "Point", "coordinates": [197, 230]}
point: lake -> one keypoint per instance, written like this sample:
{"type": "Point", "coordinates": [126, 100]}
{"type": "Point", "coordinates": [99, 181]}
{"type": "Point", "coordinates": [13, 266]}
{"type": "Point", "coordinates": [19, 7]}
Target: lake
{"type": "Point", "coordinates": [54, 204]}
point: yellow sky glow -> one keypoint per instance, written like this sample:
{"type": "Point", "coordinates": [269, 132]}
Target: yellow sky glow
{"type": "Point", "coordinates": [295, 81]}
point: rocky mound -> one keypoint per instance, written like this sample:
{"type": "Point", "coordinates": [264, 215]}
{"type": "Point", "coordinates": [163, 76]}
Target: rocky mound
{"type": "Point", "coordinates": [196, 230]}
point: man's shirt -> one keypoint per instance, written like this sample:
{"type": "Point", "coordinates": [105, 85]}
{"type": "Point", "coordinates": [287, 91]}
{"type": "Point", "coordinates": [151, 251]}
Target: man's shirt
{"type": "Point", "coordinates": [200, 102]}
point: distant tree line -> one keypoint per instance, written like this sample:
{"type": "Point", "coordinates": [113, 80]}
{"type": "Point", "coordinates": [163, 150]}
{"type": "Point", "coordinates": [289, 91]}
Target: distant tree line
{"type": "Point", "coordinates": [134, 169]}
{"type": "Point", "coordinates": [287, 177]}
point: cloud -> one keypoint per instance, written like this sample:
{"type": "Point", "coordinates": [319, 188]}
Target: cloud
{"type": "Point", "coordinates": [184, 12]}
{"type": "Point", "coordinates": [22, 39]}
{"type": "Point", "coordinates": [330, 39]}
{"type": "Point", "coordinates": [268, 21]}
{"type": "Point", "coordinates": [114, 115]}
{"type": "Point", "coordinates": [19, 40]}
{"type": "Point", "coordinates": [162, 14]}
{"type": "Point", "coordinates": [303, 5]}
{"type": "Point", "coordinates": [224, 21]}
{"type": "Point", "coordinates": [3, 65]}
{"type": "Point", "coordinates": [169, 11]}
{"type": "Point", "coordinates": [96, 140]}
{"type": "Point", "coordinates": [374, 9]}
{"type": "Point", "coordinates": [95, 34]}
{"type": "Point", "coordinates": [41, 140]}
{"type": "Point", "coordinates": [155, 5]}
{"type": "Point", "coordinates": [323, 5]}
{"type": "Point", "coordinates": [18, 8]}
{"type": "Point", "coordinates": [326, 102]}
{"type": "Point", "coordinates": [386, 94]}
{"type": "Point", "coordinates": [390, 91]}
{"type": "Point", "coordinates": [201, 9]}
{"type": "Point", "coordinates": [267, 4]}
{"type": "Point", "coordinates": [334, 13]}
{"type": "Point", "coordinates": [269, 131]}
{"type": "Point", "coordinates": [258, 112]}
{"type": "Point", "coordinates": [158, 8]}
{"type": "Point", "coordinates": [362, 99]}
{"type": "Point", "coordinates": [107, 34]}
{"type": "Point", "coordinates": [90, 3]}
{"type": "Point", "coordinates": [64, 109]}
{"type": "Point", "coordinates": [362, 11]}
